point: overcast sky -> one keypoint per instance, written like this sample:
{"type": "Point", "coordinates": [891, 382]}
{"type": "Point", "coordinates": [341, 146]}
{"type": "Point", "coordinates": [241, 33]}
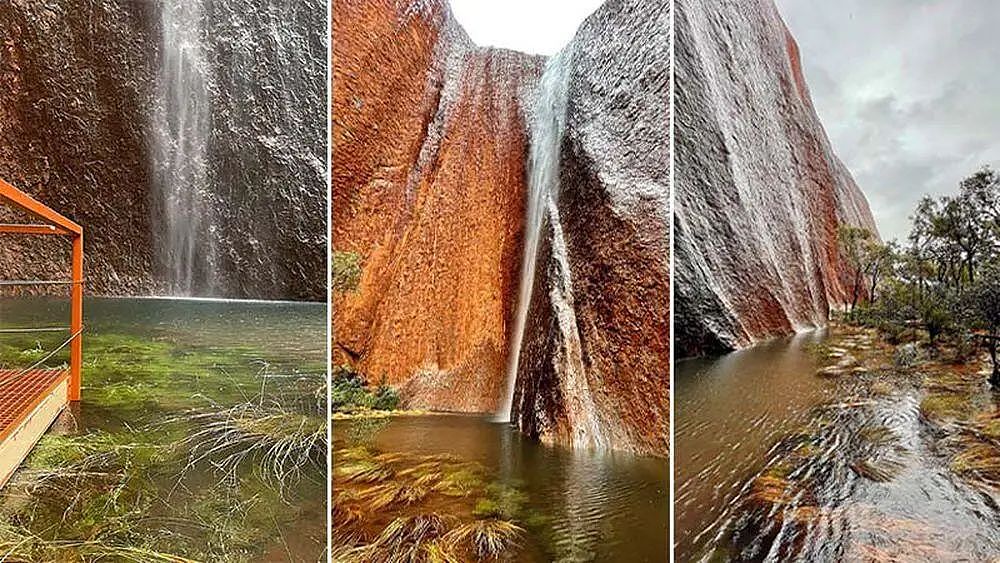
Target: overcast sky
{"type": "Point", "coordinates": [908, 91]}
{"type": "Point", "coordinates": [540, 27]}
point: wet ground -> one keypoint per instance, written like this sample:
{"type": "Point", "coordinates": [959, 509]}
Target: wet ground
{"type": "Point", "coordinates": [149, 464]}
{"type": "Point", "coordinates": [782, 457]}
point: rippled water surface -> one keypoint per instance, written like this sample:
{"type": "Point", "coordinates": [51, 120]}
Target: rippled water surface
{"type": "Point", "coordinates": [775, 463]}
{"type": "Point", "coordinates": [595, 507]}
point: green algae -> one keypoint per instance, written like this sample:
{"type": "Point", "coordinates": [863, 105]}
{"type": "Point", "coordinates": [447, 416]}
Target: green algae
{"type": "Point", "coordinates": [122, 486]}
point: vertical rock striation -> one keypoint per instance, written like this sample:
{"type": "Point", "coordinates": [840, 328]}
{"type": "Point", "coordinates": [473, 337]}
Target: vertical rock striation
{"type": "Point", "coordinates": [77, 105]}
{"type": "Point", "coordinates": [759, 193]}
{"type": "Point", "coordinates": [429, 156]}
{"type": "Point", "coordinates": [594, 368]}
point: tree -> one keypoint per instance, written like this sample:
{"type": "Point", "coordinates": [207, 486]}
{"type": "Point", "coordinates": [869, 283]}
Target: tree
{"type": "Point", "coordinates": [853, 241]}
{"type": "Point", "coordinates": [986, 306]}
{"type": "Point", "coordinates": [877, 260]}
{"type": "Point", "coordinates": [982, 191]}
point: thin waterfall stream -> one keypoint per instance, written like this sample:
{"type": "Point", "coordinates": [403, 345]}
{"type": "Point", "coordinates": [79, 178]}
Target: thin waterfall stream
{"type": "Point", "coordinates": [181, 132]}
{"type": "Point", "coordinates": [547, 129]}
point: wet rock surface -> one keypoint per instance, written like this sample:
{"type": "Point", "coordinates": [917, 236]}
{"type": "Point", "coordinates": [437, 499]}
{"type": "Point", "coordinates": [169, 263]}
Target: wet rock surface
{"type": "Point", "coordinates": [75, 124]}
{"type": "Point", "coordinates": [429, 166]}
{"type": "Point", "coordinates": [595, 368]}
{"type": "Point", "coordinates": [759, 192]}
{"type": "Point", "coordinates": [74, 86]}
{"type": "Point", "coordinates": [430, 183]}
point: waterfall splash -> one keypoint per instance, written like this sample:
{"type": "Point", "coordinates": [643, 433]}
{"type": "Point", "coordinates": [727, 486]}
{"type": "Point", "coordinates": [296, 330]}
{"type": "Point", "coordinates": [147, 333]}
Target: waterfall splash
{"type": "Point", "coordinates": [547, 125]}
{"type": "Point", "coordinates": [181, 130]}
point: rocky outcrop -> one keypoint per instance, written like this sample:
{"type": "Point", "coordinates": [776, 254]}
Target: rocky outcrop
{"type": "Point", "coordinates": [77, 103]}
{"type": "Point", "coordinates": [759, 193]}
{"type": "Point", "coordinates": [429, 166]}
{"type": "Point", "coordinates": [594, 368]}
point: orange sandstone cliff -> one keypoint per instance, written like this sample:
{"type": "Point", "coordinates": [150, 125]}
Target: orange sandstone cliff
{"type": "Point", "coordinates": [429, 155]}
{"type": "Point", "coordinates": [453, 164]}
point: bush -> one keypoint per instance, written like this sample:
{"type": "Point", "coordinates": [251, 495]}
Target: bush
{"type": "Point", "coordinates": [385, 397]}
{"type": "Point", "coordinates": [346, 271]}
{"type": "Point", "coordinates": [906, 356]}
{"type": "Point", "coordinates": [349, 391]}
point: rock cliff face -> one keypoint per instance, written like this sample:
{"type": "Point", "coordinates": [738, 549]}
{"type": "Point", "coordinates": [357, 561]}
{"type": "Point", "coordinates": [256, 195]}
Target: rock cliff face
{"type": "Point", "coordinates": [440, 149]}
{"type": "Point", "coordinates": [594, 368]}
{"type": "Point", "coordinates": [74, 85]}
{"type": "Point", "coordinates": [759, 193]}
{"type": "Point", "coordinates": [429, 157]}
{"type": "Point", "coordinates": [77, 102]}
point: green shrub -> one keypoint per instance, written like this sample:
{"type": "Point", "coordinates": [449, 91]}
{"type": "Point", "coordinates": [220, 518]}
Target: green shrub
{"type": "Point", "coordinates": [385, 397]}
{"type": "Point", "coordinates": [349, 391]}
{"type": "Point", "coordinates": [346, 271]}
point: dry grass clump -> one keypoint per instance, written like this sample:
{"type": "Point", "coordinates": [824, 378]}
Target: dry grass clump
{"type": "Point", "coordinates": [880, 470]}
{"type": "Point", "coordinates": [277, 443]}
{"type": "Point", "coordinates": [941, 407]}
{"type": "Point", "coordinates": [488, 538]}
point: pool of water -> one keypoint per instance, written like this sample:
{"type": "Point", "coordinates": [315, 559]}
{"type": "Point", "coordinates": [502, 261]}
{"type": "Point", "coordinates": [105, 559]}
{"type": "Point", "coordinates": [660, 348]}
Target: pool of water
{"type": "Point", "coordinates": [156, 373]}
{"type": "Point", "coordinates": [584, 506]}
{"type": "Point", "coordinates": [775, 463]}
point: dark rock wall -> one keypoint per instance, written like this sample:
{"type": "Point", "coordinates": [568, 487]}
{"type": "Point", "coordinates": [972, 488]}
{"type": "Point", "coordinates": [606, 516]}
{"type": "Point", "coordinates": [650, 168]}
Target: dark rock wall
{"type": "Point", "coordinates": [77, 94]}
{"type": "Point", "coordinates": [76, 80]}
{"type": "Point", "coordinates": [268, 172]}
{"type": "Point", "coordinates": [759, 193]}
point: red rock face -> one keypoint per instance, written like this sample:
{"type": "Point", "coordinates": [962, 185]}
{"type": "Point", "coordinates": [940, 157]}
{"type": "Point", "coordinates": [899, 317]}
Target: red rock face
{"type": "Point", "coordinates": [429, 156]}
{"type": "Point", "coordinates": [759, 193]}
{"type": "Point", "coordinates": [431, 177]}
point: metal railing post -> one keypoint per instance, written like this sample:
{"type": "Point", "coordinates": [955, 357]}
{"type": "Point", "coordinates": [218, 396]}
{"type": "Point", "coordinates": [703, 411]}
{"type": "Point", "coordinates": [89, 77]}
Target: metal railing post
{"type": "Point", "coordinates": [76, 320]}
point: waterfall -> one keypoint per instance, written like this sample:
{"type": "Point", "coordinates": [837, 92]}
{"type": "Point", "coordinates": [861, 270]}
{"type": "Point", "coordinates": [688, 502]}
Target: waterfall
{"type": "Point", "coordinates": [182, 125]}
{"type": "Point", "coordinates": [547, 125]}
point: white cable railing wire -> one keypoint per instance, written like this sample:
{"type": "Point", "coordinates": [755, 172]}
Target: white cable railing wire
{"type": "Point", "coordinates": [25, 371]}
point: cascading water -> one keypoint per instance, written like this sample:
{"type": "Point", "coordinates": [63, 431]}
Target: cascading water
{"type": "Point", "coordinates": [181, 134]}
{"type": "Point", "coordinates": [547, 126]}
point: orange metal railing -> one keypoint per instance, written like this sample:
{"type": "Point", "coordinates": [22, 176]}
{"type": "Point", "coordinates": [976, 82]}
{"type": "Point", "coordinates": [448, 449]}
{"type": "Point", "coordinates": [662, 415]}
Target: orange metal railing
{"type": "Point", "coordinates": [53, 223]}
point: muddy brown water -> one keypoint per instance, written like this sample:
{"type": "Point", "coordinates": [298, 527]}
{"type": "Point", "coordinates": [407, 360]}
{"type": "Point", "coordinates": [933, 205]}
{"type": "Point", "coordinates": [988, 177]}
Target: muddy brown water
{"type": "Point", "coordinates": [738, 416]}
{"type": "Point", "coordinates": [597, 506]}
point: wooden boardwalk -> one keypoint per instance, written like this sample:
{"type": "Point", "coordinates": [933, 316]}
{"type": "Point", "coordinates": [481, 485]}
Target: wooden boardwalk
{"type": "Point", "coordinates": [29, 403]}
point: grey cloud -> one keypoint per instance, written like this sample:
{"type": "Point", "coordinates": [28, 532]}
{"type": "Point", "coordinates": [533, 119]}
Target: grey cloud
{"type": "Point", "coordinates": [907, 91]}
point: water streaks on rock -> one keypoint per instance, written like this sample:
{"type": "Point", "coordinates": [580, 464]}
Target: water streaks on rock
{"type": "Point", "coordinates": [759, 193]}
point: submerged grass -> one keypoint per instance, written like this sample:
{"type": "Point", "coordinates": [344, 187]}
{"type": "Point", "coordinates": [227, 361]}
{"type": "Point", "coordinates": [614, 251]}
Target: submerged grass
{"type": "Point", "coordinates": [276, 443]}
{"type": "Point", "coordinates": [187, 452]}
{"type": "Point", "coordinates": [442, 509]}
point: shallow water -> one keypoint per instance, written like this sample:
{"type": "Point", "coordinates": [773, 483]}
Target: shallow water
{"type": "Point", "coordinates": [764, 412]}
{"type": "Point", "coordinates": [595, 507]}
{"type": "Point", "coordinates": [148, 361]}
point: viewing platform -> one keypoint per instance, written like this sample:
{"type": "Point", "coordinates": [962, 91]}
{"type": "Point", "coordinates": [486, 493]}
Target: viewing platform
{"type": "Point", "coordinates": [32, 396]}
